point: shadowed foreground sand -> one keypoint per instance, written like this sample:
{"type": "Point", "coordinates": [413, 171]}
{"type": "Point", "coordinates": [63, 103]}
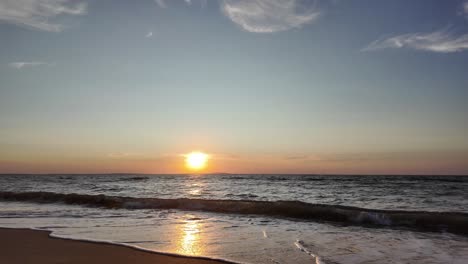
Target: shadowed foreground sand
{"type": "Point", "coordinates": [21, 246]}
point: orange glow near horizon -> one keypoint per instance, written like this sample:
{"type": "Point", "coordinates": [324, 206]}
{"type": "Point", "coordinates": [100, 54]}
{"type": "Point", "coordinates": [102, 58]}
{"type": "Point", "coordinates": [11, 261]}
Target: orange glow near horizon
{"type": "Point", "coordinates": [196, 160]}
{"type": "Point", "coordinates": [176, 162]}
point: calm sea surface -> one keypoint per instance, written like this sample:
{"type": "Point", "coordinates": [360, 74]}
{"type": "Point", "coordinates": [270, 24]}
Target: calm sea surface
{"type": "Point", "coordinates": [183, 224]}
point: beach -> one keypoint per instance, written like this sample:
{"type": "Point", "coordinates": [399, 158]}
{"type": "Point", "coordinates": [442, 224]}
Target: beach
{"type": "Point", "coordinates": [31, 246]}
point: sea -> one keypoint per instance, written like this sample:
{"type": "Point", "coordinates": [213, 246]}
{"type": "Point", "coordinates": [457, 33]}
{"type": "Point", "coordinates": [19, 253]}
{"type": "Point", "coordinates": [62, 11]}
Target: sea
{"type": "Point", "coordinates": [252, 218]}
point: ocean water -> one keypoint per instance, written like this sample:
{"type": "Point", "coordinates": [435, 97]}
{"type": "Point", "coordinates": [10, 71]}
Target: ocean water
{"type": "Point", "coordinates": [252, 218]}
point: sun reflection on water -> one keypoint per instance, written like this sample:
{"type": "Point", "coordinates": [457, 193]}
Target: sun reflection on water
{"type": "Point", "coordinates": [189, 242]}
{"type": "Point", "coordinates": [195, 192]}
{"type": "Point", "coordinates": [195, 189]}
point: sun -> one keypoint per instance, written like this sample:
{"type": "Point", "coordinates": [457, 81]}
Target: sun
{"type": "Point", "coordinates": [196, 160]}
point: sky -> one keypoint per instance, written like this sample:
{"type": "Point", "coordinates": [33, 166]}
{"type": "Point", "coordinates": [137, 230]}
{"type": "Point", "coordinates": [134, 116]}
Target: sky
{"type": "Point", "coordinates": [262, 86]}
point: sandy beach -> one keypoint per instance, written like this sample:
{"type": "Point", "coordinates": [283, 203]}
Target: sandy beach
{"type": "Point", "coordinates": [29, 246]}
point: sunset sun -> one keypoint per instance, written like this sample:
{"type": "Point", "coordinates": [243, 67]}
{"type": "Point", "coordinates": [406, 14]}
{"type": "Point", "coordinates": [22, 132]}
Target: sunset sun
{"type": "Point", "coordinates": [196, 160]}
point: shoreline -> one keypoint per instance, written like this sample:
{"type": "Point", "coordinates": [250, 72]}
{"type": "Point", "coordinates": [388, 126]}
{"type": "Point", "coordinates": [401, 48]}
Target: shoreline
{"type": "Point", "coordinates": [22, 245]}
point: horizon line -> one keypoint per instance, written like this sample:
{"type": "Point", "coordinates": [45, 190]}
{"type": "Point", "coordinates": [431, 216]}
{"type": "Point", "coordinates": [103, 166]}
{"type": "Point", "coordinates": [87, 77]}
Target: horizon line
{"type": "Point", "coordinates": [227, 173]}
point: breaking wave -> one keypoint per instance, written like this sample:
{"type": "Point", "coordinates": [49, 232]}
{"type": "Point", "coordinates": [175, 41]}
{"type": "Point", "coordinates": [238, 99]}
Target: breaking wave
{"type": "Point", "coordinates": [416, 220]}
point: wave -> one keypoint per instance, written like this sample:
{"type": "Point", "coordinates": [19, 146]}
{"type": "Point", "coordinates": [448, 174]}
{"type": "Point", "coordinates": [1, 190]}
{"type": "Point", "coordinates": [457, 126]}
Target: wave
{"type": "Point", "coordinates": [137, 178]}
{"type": "Point", "coordinates": [452, 222]}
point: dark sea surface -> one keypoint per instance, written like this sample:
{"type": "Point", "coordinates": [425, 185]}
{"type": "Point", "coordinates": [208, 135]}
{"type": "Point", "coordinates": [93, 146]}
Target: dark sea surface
{"type": "Point", "coordinates": [252, 218]}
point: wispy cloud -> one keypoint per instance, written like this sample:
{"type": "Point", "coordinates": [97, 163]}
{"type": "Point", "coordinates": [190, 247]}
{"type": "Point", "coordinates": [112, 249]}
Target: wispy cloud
{"type": "Point", "coordinates": [441, 41]}
{"type": "Point", "coordinates": [161, 3]}
{"type": "Point", "coordinates": [149, 34]}
{"type": "Point", "coordinates": [268, 16]}
{"type": "Point", "coordinates": [22, 64]}
{"type": "Point", "coordinates": [304, 158]}
{"type": "Point", "coordinates": [36, 14]}
{"type": "Point", "coordinates": [121, 155]}
{"type": "Point", "coordinates": [465, 8]}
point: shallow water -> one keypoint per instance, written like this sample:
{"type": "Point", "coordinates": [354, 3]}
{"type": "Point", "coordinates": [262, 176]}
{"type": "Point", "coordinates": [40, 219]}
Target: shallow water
{"type": "Point", "coordinates": [249, 238]}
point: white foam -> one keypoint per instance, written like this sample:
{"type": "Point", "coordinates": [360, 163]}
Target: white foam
{"type": "Point", "coordinates": [300, 245]}
{"type": "Point", "coordinates": [378, 218]}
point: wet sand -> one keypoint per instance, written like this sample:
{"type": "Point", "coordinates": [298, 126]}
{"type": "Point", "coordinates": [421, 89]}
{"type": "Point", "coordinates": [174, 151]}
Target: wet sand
{"type": "Point", "coordinates": [22, 246]}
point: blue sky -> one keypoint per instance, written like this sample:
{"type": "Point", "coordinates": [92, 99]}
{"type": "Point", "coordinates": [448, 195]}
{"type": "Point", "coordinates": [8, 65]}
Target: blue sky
{"type": "Point", "coordinates": [263, 86]}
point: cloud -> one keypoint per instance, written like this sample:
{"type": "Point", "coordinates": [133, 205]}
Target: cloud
{"type": "Point", "coordinates": [161, 3]}
{"type": "Point", "coordinates": [440, 41]}
{"type": "Point", "coordinates": [149, 34]}
{"type": "Point", "coordinates": [303, 158]}
{"type": "Point", "coordinates": [465, 7]}
{"type": "Point", "coordinates": [36, 14]}
{"type": "Point", "coordinates": [22, 64]}
{"type": "Point", "coordinates": [268, 16]}
{"type": "Point", "coordinates": [121, 155]}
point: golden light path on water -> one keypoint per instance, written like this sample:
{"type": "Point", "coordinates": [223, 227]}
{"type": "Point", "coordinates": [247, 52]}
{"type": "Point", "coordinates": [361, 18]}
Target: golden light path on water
{"type": "Point", "coordinates": [190, 237]}
{"type": "Point", "coordinates": [195, 189]}
{"type": "Point", "coordinates": [190, 241]}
